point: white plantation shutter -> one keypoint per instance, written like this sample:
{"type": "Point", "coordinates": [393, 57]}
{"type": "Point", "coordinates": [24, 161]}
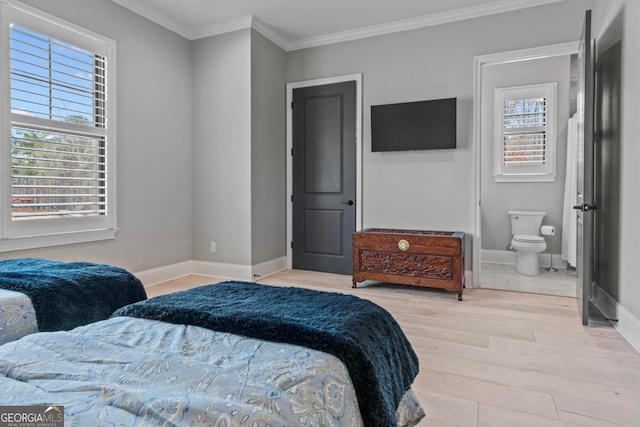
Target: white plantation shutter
{"type": "Point", "coordinates": [526, 133]}
{"type": "Point", "coordinates": [524, 136]}
{"type": "Point", "coordinates": [56, 174]}
{"type": "Point", "coordinates": [55, 80]}
{"type": "Point", "coordinates": [60, 139]}
{"type": "Point", "coordinates": [58, 128]}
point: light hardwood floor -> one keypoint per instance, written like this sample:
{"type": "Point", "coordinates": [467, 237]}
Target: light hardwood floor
{"type": "Point", "coordinates": [498, 358]}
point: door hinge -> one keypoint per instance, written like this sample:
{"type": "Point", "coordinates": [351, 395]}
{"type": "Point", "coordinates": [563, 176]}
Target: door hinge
{"type": "Point", "coordinates": [292, 244]}
{"type": "Point", "coordinates": [292, 105]}
{"type": "Point", "coordinates": [292, 198]}
{"type": "Point", "coordinates": [292, 152]}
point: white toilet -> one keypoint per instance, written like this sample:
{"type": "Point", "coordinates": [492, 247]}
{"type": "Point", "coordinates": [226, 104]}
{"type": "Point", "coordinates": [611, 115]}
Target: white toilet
{"type": "Point", "coordinates": [527, 241]}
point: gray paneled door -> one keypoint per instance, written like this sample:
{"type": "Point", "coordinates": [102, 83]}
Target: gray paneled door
{"type": "Point", "coordinates": [324, 177]}
{"type": "Point", "coordinates": [585, 232]}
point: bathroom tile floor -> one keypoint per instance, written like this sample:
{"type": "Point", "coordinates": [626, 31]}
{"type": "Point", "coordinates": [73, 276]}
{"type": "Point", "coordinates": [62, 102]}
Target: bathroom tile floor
{"type": "Point", "coordinates": [506, 278]}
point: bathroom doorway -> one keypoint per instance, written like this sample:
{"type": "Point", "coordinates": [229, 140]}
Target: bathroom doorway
{"type": "Point", "coordinates": [494, 261]}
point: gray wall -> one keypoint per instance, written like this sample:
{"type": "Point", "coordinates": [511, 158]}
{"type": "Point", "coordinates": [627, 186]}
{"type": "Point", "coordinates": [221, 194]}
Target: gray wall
{"type": "Point", "coordinates": [238, 149]}
{"type": "Point", "coordinates": [499, 197]}
{"type": "Point", "coordinates": [221, 169]}
{"type": "Point", "coordinates": [605, 14]}
{"type": "Point", "coordinates": [167, 215]}
{"type": "Point", "coordinates": [154, 139]}
{"type": "Point", "coordinates": [431, 189]}
{"type": "Point", "coordinates": [268, 145]}
{"type": "Point", "coordinates": [420, 189]}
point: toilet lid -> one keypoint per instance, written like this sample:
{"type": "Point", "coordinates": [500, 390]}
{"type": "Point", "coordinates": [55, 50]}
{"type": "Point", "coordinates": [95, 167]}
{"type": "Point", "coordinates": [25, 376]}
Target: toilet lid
{"type": "Point", "coordinates": [528, 239]}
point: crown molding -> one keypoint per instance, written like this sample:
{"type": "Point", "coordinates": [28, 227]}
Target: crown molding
{"type": "Point", "coordinates": [241, 23]}
{"type": "Point", "coordinates": [496, 7]}
{"type": "Point", "coordinates": [269, 32]}
{"type": "Point", "coordinates": [157, 17]}
{"type": "Point", "coordinates": [250, 21]}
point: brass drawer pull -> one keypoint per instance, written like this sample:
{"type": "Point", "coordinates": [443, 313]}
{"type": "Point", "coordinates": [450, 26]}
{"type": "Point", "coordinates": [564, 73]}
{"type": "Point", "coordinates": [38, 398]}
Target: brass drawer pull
{"type": "Point", "coordinates": [403, 245]}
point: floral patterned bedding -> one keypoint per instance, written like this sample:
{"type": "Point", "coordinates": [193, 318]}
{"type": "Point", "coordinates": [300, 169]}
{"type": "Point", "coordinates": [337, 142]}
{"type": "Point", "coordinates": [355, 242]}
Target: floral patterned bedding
{"type": "Point", "coordinates": [128, 371]}
{"type": "Point", "coordinates": [17, 316]}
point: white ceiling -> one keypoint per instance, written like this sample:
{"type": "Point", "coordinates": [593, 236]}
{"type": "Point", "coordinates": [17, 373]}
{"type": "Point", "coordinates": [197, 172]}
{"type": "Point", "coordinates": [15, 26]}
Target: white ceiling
{"type": "Point", "coordinates": [295, 24]}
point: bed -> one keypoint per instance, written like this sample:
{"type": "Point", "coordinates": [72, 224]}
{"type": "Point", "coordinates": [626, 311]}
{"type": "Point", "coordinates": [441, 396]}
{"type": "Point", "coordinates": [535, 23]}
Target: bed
{"type": "Point", "coordinates": [234, 353]}
{"type": "Point", "coordinates": [17, 316]}
{"type": "Point", "coordinates": [46, 295]}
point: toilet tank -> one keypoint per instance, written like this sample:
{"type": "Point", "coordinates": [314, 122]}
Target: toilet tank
{"type": "Point", "coordinates": [526, 222]}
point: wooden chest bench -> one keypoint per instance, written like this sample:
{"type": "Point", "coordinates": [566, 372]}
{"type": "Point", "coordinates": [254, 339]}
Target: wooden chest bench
{"type": "Point", "coordinates": [410, 257]}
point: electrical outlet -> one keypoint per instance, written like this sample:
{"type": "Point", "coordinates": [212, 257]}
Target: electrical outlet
{"type": "Point", "coordinates": [213, 246]}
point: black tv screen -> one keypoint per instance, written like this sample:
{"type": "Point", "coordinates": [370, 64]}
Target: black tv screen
{"type": "Point", "coordinates": [421, 125]}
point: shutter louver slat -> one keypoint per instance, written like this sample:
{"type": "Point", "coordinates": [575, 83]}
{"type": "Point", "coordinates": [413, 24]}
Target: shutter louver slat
{"type": "Point", "coordinates": [61, 214]}
{"type": "Point", "coordinates": [58, 178]}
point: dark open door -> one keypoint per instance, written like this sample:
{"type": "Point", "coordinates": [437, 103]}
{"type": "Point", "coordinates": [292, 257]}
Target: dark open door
{"type": "Point", "coordinates": [324, 177]}
{"type": "Point", "coordinates": [585, 207]}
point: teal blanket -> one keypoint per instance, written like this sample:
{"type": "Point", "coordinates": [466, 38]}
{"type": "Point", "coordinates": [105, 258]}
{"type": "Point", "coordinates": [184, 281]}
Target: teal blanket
{"type": "Point", "coordinates": [69, 294]}
{"type": "Point", "coordinates": [381, 362]}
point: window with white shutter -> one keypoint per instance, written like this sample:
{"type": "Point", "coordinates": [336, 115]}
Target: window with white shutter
{"type": "Point", "coordinates": [58, 133]}
{"type": "Point", "coordinates": [525, 129]}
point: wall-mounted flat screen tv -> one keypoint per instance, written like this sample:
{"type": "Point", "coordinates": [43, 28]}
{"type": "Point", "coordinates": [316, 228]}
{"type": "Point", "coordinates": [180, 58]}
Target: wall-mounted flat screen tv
{"type": "Point", "coordinates": [421, 125]}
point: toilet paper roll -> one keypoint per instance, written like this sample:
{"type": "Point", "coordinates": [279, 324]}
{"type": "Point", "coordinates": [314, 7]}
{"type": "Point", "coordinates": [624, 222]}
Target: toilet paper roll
{"type": "Point", "coordinates": [548, 230]}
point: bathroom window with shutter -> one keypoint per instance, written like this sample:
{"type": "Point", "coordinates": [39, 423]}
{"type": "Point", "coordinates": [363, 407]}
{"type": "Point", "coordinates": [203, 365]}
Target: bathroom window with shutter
{"type": "Point", "coordinates": [57, 132]}
{"type": "Point", "coordinates": [526, 135]}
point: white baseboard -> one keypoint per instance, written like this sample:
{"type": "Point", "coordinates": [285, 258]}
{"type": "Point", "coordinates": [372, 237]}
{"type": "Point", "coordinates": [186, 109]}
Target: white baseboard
{"type": "Point", "coordinates": [162, 274]}
{"type": "Point", "coordinates": [509, 257]}
{"type": "Point", "coordinates": [628, 325]}
{"type": "Point", "coordinates": [213, 269]}
{"type": "Point", "coordinates": [268, 268]}
{"type": "Point", "coordinates": [468, 278]}
{"type": "Point", "coordinates": [497, 257]}
{"type": "Point", "coordinates": [222, 270]}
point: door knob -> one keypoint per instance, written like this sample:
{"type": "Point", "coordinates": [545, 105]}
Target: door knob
{"type": "Point", "coordinates": [585, 207]}
{"type": "Point", "coordinates": [348, 202]}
